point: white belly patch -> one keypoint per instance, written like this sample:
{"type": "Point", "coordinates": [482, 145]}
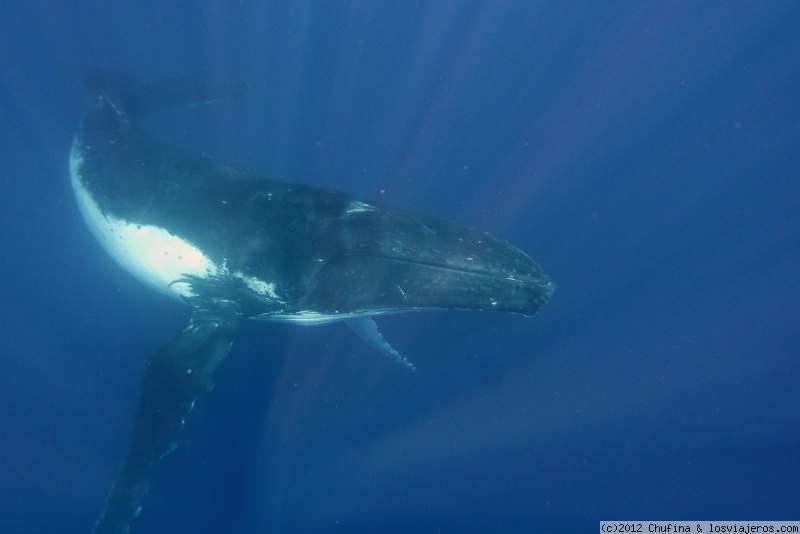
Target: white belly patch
{"type": "Point", "coordinates": [151, 254]}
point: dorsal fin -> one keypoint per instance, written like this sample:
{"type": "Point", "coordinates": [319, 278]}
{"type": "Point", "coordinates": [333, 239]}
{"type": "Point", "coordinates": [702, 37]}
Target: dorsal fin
{"type": "Point", "coordinates": [135, 98]}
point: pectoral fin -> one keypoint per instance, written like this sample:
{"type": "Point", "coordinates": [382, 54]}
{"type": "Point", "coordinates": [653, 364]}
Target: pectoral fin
{"type": "Point", "coordinates": [176, 375]}
{"type": "Point", "coordinates": [367, 329]}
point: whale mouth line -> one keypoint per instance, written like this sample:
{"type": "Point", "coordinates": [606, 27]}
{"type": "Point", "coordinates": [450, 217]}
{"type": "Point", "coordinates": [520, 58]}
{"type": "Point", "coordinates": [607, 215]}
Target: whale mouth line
{"type": "Point", "coordinates": [348, 283]}
{"type": "Point", "coordinates": [514, 277]}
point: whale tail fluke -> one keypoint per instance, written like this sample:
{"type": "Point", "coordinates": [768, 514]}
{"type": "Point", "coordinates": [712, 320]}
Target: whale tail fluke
{"type": "Point", "coordinates": [135, 98]}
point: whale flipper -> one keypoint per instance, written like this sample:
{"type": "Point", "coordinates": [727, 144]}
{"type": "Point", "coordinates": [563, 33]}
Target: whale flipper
{"type": "Point", "coordinates": [175, 376]}
{"type": "Point", "coordinates": [367, 329]}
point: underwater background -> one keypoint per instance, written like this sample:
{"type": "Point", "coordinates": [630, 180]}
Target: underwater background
{"type": "Point", "coordinates": [647, 154]}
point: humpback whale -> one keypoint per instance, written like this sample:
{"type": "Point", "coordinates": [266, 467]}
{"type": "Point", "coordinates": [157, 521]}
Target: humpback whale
{"type": "Point", "coordinates": [235, 245]}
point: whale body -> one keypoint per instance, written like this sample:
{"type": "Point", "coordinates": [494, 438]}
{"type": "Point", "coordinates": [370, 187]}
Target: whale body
{"type": "Point", "coordinates": [235, 245]}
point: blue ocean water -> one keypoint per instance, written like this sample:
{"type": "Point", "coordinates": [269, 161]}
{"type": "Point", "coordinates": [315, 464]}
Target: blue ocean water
{"type": "Point", "coordinates": [646, 153]}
